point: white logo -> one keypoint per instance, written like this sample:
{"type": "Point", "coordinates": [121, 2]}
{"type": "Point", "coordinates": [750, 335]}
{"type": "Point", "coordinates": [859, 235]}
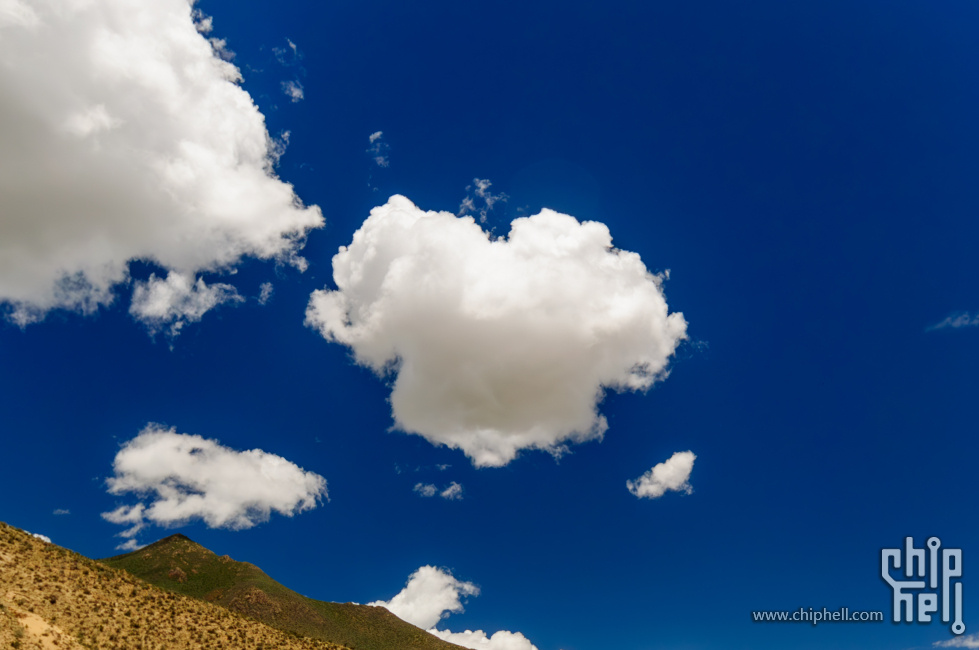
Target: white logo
{"type": "Point", "coordinates": [919, 563]}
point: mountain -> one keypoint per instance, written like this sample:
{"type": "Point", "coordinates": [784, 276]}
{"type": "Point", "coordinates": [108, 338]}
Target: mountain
{"type": "Point", "coordinates": [179, 564]}
{"type": "Point", "coordinates": [54, 599]}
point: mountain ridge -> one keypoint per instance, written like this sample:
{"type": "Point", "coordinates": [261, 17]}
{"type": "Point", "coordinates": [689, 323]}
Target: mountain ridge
{"type": "Point", "coordinates": [52, 598]}
{"type": "Point", "coordinates": [178, 564]}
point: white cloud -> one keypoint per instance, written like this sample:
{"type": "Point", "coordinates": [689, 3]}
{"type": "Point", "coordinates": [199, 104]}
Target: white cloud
{"type": "Point", "coordinates": [17, 14]}
{"type": "Point", "coordinates": [266, 289]}
{"type": "Point", "coordinates": [220, 47]}
{"type": "Point", "coordinates": [43, 538]}
{"type": "Point", "coordinates": [672, 475]}
{"type": "Point", "coordinates": [288, 56]}
{"type": "Point", "coordinates": [125, 136]}
{"type": "Point", "coordinates": [956, 321]}
{"type": "Point", "coordinates": [293, 90]}
{"type": "Point", "coordinates": [426, 489]}
{"type": "Point", "coordinates": [61, 511]}
{"type": "Point", "coordinates": [202, 22]}
{"type": "Point", "coordinates": [430, 595]}
{"type": "Point", "coordinates": [176, 301]}
{"type": "Point", "coordinates": [452, 492]}
{"type": "Point", "coordinates": [130, 545]}
{"type": "Point", "coordinates": [132, 516]}
{"type": "Point", "coordinates": [498, 345]}
{"type": "Point", "coordinates": [967, 641]}
{"type": "Point", "coordinates": [379, 149]}
{"type": "Point", "coordinates": [478, 640]}
{"type": "Point", "coordinates": [181, 477]}
{"type": "Point", "coordinates": [483, 197]}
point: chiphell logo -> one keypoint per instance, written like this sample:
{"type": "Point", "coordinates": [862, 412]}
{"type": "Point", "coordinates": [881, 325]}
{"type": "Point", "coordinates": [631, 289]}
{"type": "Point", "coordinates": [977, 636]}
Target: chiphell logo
{"type": "Point", "coordinates": [938, 570]}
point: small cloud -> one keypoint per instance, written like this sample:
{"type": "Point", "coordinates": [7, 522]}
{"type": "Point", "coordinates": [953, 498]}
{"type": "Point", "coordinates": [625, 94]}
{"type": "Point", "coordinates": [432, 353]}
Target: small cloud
{"type": "Point", "coordinates": [181, 477]}
{"type": "Point", "coordinates": [967, 641]}
{"type": "Point", "coordinates": [670, 476]}
{"type": "Point", "coordinates": [130, 545]}
{"type": "Point", "coordinates": [443, 466]}
{"type": "Point", "coordinates": [61, 511]}
{"type": "Point", "coordinates": [453, 492]}
{"type": "Point", "coordinates": [379, 149]}
{"type": "Point", "coordinates": [172, 303]}
{"type": "Point", "coordinates": [430, 595]}
{"type": "Point", "coordinates": [955, 321]}
{"type": "Point", "coordinates": [293, 90]}
{"type": "Point", "coordinates": [478, 640]}
{"type": "Point", "coordinates": [43, 538]}
{"type": "Point", "coordinates": [289, 55]}
{"type": "Point", "coordinates": [265, 293]}
{"type": "Point", "coordinates": [425, 489]}
{"type": "Point", "coordinates": [479, 200]}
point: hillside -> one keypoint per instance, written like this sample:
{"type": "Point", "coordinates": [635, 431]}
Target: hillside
{"type": "Point", "coordinates": [178, 564]}
{"type": "Point", "coordinates": [54, 599]}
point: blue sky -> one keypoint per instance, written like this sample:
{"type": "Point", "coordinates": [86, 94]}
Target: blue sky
{"type": "Point", "coordinates": [803, 172]}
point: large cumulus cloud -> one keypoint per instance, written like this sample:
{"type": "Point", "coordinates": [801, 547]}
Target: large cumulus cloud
{"type": "Point", "coordinates": [123, 136]}
{"type": "Point", "coordinates": [498, 344]}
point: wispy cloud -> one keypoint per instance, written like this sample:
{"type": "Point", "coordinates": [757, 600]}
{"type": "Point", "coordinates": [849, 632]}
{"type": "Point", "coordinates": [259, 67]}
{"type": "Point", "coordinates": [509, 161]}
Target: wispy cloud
{"type": "Point", "coordinates": [955, 321]}
{"type": "Point", "coordinates": [181, 477]}
{"type": "Point", "coordinates": [452, 492]}
{"type": "Point", "coordinates": [145, 148]}
{"type": "Point", "coordinates": [130, 545]}
{"type": "Point", "coordinates": [265, 291]}
{"type": "Point", "coordinates": [672, 475]}
{"type": "Point", "coordinates": [426, 489]}
{"type": "Point", "coordinates": [967, 641]}
{"type": "Point", "coordinates": [500, 344]}
{"type": "Point", "coordinates": [479, 200]}
{"type": "Point", "coordinates": [289, 55]}
{"type": "Point", "coordinates": [293, 90]}
{"type": "Point", "coordinates": [61, 511]}
{"type": "Point", "coordinates": [379, 149]}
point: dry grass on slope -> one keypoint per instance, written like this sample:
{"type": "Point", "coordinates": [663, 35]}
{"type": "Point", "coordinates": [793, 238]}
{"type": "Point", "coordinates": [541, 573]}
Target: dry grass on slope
{"type": "Point", "coordinates": [54, 599]}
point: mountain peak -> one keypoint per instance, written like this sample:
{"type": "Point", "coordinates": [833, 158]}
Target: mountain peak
{"type": "Point", "coordinates": [178, 564]}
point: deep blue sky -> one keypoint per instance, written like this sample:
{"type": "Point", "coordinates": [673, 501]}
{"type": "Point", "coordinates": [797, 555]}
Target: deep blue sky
{"type": "Point", "coordinates": [806, 171]}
